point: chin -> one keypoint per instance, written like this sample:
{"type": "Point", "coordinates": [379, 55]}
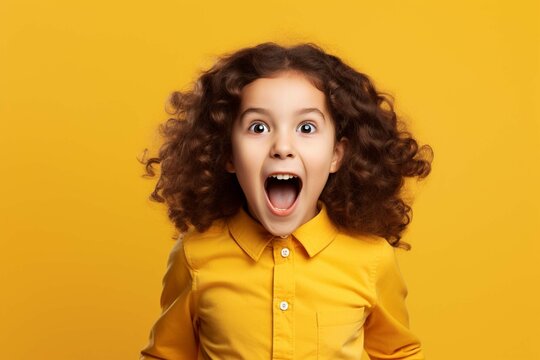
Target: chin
{"type": "Point", "coordinates": [281, 229]}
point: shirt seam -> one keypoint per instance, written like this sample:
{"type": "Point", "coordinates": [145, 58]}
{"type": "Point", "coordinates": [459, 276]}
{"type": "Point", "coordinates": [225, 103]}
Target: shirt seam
{"type": "Point", "coordinates": [373, 276]}
{"type": "Point", "coordinates": [189, 262]}
{"type": "Point", "coordinates": [193, 272]}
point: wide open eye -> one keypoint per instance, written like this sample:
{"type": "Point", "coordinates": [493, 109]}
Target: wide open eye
{"type": "Point", "coordinates": [307, 128]}
{"type": "Point", "coordinates": [258, 128]}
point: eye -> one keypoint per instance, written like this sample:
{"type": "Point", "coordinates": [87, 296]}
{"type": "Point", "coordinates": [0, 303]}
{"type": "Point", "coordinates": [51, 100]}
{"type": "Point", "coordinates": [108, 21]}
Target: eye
{"type": "Point", "coordinates": [258, 128]}
{"type": "Point", "coordinates": [307, 128]}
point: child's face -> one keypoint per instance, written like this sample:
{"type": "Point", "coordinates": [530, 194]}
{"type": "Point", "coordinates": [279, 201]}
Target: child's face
{"type": "Point", "coordinates": [276, 134]}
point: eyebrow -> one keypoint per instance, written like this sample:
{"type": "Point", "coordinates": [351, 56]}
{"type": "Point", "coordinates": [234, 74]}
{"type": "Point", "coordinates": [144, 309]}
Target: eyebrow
{"type": "Point", "coordinates": [266, 112]}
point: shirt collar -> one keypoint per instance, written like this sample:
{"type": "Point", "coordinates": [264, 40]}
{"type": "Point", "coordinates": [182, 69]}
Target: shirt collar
{"type": "Point", "coordinates": [252, 237]}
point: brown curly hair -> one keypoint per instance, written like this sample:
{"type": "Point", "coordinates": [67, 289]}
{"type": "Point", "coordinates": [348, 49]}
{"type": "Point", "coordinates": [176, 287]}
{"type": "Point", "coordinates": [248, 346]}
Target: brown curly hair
{"type": "Point", "coordinates": [363, 197]}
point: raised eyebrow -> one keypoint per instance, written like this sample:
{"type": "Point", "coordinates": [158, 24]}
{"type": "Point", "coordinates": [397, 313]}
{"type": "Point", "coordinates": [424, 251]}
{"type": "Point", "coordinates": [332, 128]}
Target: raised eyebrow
{"type": "Point", "coordinates": [266, 112]}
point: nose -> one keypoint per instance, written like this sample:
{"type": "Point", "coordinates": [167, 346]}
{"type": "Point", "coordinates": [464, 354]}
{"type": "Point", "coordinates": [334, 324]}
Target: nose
{"type": "Point", "coordinates": [282, 147]}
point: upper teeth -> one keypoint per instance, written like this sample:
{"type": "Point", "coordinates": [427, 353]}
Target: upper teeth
{"type": "Point", "coordinates": [283, 176]}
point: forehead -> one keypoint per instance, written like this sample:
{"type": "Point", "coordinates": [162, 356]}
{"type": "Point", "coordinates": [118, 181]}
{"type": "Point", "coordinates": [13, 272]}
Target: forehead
{"type": "Point", "coordinates": [287, 90]}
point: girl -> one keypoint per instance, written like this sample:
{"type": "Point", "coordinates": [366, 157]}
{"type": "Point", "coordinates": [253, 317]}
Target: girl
{"type": "Point", "coordinates": [282, 168]}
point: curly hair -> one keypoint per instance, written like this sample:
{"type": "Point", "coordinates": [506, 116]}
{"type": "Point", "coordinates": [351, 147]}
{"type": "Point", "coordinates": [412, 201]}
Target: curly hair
{"type": "Point", "coordinates": [363, 197]}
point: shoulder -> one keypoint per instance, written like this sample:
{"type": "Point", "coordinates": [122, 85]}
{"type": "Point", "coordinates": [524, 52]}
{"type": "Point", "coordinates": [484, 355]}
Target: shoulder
{"type": "Point", "coordinates": [199, 245]}
{"type": "Point", "coordinates": [371, 251]}
{"type": "Point", "coordinates": [387, 275]}
{"type": "Point", "coordinates": [370, 247]}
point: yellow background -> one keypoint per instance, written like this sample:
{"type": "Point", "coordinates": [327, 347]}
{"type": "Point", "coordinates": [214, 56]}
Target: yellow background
{"type": "Point", "coordinates": [82, 90]}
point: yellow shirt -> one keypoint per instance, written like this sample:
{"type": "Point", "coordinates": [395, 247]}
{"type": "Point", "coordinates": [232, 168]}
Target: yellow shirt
{"type": "Point", "coordinates": [238, 292]}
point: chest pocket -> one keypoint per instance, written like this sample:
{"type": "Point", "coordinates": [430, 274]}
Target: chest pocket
{"type": "Point", "coordinates": [340, 334]}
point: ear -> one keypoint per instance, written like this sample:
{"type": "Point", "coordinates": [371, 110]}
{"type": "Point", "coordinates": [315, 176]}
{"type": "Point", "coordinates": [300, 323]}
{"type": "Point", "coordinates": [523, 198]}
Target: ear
{"type": "Point", "coordinates": [339, 153]}
{"type": "Point", "coordinates": [229, 166]}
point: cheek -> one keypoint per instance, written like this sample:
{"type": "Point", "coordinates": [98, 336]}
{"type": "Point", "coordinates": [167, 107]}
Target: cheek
{"type": "Point", "coordinates": [317, 171]}
{"type": "Point", "coordinates": [244, 157]}
{"type": "Point", "coordinates": [248, 164]}
{"type": "Point", "coordinates": [318, 167]}
{"type": "Point", "coordinates": [320, 158]}
{"type": "Point", "coordinates": [238, 153]}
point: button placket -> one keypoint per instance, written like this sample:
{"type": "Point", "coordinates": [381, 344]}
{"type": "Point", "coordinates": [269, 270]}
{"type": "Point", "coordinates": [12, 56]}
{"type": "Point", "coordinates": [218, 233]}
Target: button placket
{"type": "Point", "coordinates": [283, 294]}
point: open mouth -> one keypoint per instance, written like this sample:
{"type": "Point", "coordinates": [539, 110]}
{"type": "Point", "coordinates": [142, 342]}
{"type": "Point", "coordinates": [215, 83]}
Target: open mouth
{"type": "Point", "coordinates": [282, 190]}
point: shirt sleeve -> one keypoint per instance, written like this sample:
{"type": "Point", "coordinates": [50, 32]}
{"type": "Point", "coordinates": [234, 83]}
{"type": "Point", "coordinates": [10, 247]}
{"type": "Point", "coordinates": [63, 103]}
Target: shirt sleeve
{"type": "Point", "coordinates": [174, 335]}
{"type": "Point", "coordinates": [387, 333]}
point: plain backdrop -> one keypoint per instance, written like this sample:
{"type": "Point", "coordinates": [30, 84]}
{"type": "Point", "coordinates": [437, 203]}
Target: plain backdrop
{"type": "Point", "coordinates": [82, 90]}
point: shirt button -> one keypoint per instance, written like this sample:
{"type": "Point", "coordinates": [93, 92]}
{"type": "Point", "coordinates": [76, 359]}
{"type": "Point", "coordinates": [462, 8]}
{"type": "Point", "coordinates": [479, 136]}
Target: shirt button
{"type": "Point", "coordinates": [283, 305]}
{"type": "Point", "coordinates": [285, 252]}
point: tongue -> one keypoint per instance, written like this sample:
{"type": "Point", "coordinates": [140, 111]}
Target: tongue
{"type": "Point", "coordinates": [282, 194]}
